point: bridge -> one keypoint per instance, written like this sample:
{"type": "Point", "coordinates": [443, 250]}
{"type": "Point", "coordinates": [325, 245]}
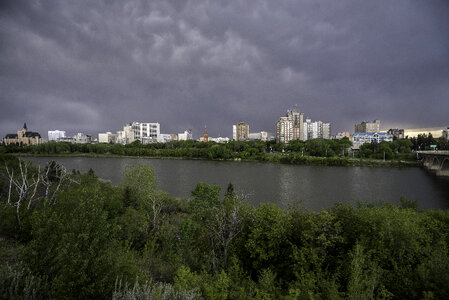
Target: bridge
{"type": "Point", "coordinates": [435, 161]}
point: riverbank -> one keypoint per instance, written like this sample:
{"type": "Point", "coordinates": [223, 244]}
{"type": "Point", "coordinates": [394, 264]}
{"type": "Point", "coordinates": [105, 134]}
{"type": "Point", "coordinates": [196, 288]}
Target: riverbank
{"type": "Point", "coordinates": [284, 158]}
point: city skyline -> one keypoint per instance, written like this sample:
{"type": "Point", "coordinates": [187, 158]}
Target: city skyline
{"type": "Point", "coordinates": [93, 67]}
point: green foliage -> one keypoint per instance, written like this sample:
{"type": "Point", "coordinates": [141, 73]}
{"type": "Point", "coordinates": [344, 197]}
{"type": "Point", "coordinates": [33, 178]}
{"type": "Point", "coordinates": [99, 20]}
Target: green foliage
{"type": "Point", "coordinates": [75, 246]}
{"type": "Point", "coordinates": [140, 181]}
{"type": "Point", "coordinates": [267, 239]}
{"type": "Point", "coordinates": [398, 149]}
{"type": "Point", "coordinates": [152, 290]}
{"type": "Point", "coordinates": [245, 150]}
{"type": "Point", "coordinates": [423, 142]}
{"type": "Point", "coordinates": [364, 277]}
{"type": "Point", "coordinates": [407, 203]}
{"type": "Point", "coordinates": [19, 283]}
{"type": "Point", "coordinates": [96, 236]}
{"type": "Point", "coordinates": [205, 198]}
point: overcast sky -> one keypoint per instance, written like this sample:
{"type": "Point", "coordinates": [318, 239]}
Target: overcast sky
{"type": "Point", "coordinates": [92, 66]}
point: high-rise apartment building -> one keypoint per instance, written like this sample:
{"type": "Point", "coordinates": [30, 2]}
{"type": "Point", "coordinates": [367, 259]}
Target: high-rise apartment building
{"type": "Point", "coordinates": [283, 130]}
{"type": "Point", "coordinates": [326, 131]}
{"type": "Point", "coordinates": [297, 118]}
{"type": "Point", "coordinates": [290, 127]}
{"type": "Point", "coordinates": [367, 126]}
{"type": "Point", "coordinates": [241, 131]}
{"type": "Point", "coordinates": [316, 130]}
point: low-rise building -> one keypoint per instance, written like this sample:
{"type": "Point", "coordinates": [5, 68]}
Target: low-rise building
{"type": "Point", "coordinates": [219, 139]}
{"type": "Point", "coordinates": [81, 138]}
{"type": "Point", "coordinates": [343, 134]}
{"type": "Point", "coordinates": [164, 138]}
{"type": "Point", "coordinates": [187, 135]}
{"type": "Point", "coordinates": [55, 135]}
{"type": "Point", "coordinates": [67, 139]}
{"type": "Point", "coordinates": [107, 137]}
{"type": "Point", "coordinates": [398, 134]}
{"type": "Point", "coordinates": [23, 137]}
{"type": "Point", "coordinates": [360, 138]}
{"type": "Point", "coordinates": [263, 136]}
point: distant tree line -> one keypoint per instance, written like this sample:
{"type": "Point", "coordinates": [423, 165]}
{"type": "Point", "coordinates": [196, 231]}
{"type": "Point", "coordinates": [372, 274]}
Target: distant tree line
{"type": "Point", "coordinates": [244, 150]}
{"type": "Point", "coordinates": [424, 141]}
{"type": "Point", "coordinates": [131, 241]}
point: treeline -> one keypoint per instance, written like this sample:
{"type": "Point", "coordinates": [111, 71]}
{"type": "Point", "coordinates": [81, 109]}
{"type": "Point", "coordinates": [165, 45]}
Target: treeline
{"type": "Point", "coordinates": [424, 141]}
{"type": "Point", "coordinates": [192, 149]}
{"type": "Point", "coordinates": [78, 237]}
{"type": "Point", "coordinates": [250, 150]}
{"type": "Point", "coordinates": [399, 149]}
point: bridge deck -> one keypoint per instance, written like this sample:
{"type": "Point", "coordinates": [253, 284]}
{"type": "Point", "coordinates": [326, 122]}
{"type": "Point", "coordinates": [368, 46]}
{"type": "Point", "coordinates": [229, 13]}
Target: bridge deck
{"type": "Point", "coordinates": [431, 152]}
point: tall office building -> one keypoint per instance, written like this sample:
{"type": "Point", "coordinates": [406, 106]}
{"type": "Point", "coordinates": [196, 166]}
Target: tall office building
{"type": "Point", "coordinates": [241, 131]}
{"type": "Point", "coordinates": [290, 127]}
{"type": "Point", "coordinates": [367, 126]}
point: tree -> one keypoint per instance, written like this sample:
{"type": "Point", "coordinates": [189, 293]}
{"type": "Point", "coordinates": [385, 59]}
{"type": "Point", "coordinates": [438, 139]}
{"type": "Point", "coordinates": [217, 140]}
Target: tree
{"type": "Point", "coordinates": [76, 247]}
{"type": "Point", "coordinates": [140, 180]}
{"type": "Point", "coordinates": [225, 226]}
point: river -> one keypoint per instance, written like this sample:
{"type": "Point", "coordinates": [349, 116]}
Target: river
{"type": "Point", "coordinates": [316, 187]}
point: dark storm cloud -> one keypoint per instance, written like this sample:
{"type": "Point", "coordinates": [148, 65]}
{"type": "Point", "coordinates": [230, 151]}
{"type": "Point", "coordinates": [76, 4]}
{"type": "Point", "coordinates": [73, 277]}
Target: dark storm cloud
{"type": "Point", "coordinates": [92, 66]}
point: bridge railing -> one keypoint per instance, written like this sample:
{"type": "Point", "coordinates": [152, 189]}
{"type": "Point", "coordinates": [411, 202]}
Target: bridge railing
{"type": "Point", "coordinates": [433, 152]}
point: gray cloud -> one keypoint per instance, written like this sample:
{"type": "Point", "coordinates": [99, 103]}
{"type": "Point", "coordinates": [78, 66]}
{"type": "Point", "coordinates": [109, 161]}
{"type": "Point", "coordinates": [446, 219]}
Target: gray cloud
{"type": "Point", "coordinates": [92, 66]}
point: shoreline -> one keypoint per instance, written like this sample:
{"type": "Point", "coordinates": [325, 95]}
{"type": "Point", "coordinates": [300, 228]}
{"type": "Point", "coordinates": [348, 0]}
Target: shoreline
{"type": "Point", "coordinates": [289, 159]}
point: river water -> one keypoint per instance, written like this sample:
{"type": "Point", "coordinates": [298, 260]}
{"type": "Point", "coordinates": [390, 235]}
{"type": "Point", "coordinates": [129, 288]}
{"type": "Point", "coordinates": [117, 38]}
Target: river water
{"type": "Point", "coordinates": [316, 187]}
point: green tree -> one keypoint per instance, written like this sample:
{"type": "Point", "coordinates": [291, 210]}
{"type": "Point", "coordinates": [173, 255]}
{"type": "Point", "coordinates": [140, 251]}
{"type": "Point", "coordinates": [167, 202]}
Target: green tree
{"type": "Point", "coordinates": [75, 245]}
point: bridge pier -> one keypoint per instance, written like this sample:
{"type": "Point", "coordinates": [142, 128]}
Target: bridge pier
{"type": "Point", "coordinates": [442, 173]}
{"type": "Point", "coordinates": [436, 161]}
